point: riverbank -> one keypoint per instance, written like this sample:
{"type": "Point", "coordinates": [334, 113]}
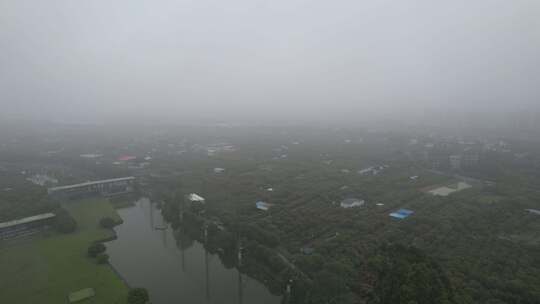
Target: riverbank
{"type": "Point", "coordinates": [46, 268]}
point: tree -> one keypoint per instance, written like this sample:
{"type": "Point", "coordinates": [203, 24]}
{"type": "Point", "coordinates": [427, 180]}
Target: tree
{"type": "Point", "coordinates": [138, 296]}
{"type": "Point", "coordinates": [20, 198]}
{"type": "Point", "coordinates": [64, 222]}
{"type": "Point", "coordinates": [407, 275]}
{"type": "Point", "coordinates": [107, 222]}
{"type": "Point", "coordinates": [329, 286]}
{"type": "Point", "coordinates": [310, 263]}
{"type": "Point", "coordinates": [95, 249]}
{"type": "Point", "coordinates": [102, 258]}
{"type": "Point", "coordinates": [300, 288]}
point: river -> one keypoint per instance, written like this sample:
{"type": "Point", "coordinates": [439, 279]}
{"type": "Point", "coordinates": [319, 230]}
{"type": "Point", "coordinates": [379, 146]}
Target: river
{"type": "Point", "coordinates": [146, 254]}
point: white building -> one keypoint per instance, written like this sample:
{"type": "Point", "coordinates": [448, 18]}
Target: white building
{"type": "Point", "coordinates": [351, 203]}
{"type": "Point", "coordinates": [194, 197]}
{"type": "Point", "coordinates": [219, 170]}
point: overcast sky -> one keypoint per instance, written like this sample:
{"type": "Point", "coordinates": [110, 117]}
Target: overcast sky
{"type": "Point", "coordinates": [250, 59]}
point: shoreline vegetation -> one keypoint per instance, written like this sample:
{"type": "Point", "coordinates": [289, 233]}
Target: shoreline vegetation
{"type": "Point", "coordinates": [259, 260]}
{"type": "Point", "coordinates": [45, 268]}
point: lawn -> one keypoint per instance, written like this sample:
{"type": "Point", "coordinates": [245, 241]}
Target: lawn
{"type": "Point", "coordinates": [88, 212]}
{"type": "Point", "coordinates": [46, 268]}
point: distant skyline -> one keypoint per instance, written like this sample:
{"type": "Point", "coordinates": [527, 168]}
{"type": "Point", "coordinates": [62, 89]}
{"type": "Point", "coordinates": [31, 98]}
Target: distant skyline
{"type": "Point", "coordinates": [270, 61]}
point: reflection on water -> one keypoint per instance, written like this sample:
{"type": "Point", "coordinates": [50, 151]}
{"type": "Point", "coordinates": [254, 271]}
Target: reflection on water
{"type": "Point", "coordinates": [180, 270]}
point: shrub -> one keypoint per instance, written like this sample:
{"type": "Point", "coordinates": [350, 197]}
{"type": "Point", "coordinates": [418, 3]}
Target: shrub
{"type": "Point", "coordinates": [107, 222]}
{"type": "Point", "coordinates": [138, 296]}
{"type": "Point", "coordinates": [102, 258]}
{"type": "Point", "coordinates": [96, 249]}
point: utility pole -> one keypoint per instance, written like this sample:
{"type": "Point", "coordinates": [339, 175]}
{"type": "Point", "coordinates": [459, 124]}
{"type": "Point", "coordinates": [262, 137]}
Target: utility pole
{"type": "Point", "coordinates": [181, 209]}
{"type": "Point", "coordinates": [164, 236]}
{"type": "Point", "coordinates": [151, 214]}
{"type": "Point", "coordinates": [206, 262]}
{"type": "Point", "coordinates": [288, 290]}
{"type": "Point", "coordinates": [182, 250]}
{"type": "Point", "coordinates": [239, 253]}
{"type": "Point", "coordinates": [240, 287]}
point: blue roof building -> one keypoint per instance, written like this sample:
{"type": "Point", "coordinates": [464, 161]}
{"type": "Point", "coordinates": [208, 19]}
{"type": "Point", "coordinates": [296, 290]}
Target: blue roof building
{"type": "Point", "coordinates": [262, 205]}
{"type": "Point", "coordinates": [401, 213]}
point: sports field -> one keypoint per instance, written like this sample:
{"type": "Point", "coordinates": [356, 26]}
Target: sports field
{"type": "Point", "coordinates": [46, 268]}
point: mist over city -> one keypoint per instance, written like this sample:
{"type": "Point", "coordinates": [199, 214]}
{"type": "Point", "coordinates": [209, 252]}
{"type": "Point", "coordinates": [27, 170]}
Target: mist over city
{"type": "Point", "coordinates": [270, 152]}
{"type": "Point", "coordinates": [272, 62]}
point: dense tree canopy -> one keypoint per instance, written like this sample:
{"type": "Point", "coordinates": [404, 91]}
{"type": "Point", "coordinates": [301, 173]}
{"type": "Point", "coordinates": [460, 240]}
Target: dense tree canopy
{"type": "Point", "coordinates": [407, 275]}
{"type": "Point", "coordinates": [138, 296]}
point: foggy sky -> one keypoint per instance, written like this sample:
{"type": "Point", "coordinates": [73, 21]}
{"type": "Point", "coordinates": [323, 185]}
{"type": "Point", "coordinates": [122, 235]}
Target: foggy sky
{"type": "Point", "coordinates": [218, 60]}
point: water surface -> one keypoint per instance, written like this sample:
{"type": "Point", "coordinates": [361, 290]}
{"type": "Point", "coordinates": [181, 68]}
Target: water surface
{"type": "Point", "coordinates": [176, 272]}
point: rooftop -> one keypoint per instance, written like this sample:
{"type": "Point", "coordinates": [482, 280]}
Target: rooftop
{"type": "Point", "coordinates": [27, 220]}
{"type": "Point", "coordinates": [91, 155]}
{"type": "Point", "coordinates": [307, 250]}
{"type": "Point", "coordinates": [534, 211]}
{"type": "Point", "coordinates": [194, 197]}
{"type": "Point", "coordinates": [351, 202]}
{"type": "Point", "coordinates": [401, 213]}
{"type": "Point", "coordinates": [126, 158]}
{"type": "Point", "coordinates": [263, 205]}
{"type": "Point", "coordinates": [449, 189]}
{"type": "Point", "coordinates": [112, 180]}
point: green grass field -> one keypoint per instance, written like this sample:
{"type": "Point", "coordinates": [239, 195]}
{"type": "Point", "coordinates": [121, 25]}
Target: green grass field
{"type": "Point", "coordinates": [46, 268]}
